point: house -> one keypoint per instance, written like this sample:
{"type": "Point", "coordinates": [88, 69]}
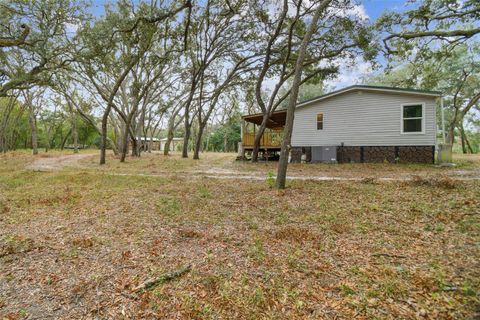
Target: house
{"type": "Point", "coordinates": [355, 124]}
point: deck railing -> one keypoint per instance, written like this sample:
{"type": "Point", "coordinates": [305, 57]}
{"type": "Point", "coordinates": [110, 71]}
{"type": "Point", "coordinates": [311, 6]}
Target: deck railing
{"type": "Point", "coordinates": [269, 139]}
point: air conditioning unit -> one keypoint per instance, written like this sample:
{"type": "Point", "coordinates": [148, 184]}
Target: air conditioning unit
{"type": "Point", "coordinates": [324, 154]}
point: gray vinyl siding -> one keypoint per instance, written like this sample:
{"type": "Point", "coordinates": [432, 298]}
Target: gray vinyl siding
{"type": "Point", "coordinates": [361, 118]}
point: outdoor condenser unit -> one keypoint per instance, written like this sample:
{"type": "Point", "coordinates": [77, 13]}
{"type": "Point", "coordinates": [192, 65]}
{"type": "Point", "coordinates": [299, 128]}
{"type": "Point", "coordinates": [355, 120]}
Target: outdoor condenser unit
{"type": "Point", "coordinates": [324, 154]}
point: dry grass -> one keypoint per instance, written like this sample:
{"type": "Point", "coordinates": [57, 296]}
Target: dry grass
{"type": "Point", "coordinates": [223, 163]}
{"type": "Point", "coordinates": [74, 243]}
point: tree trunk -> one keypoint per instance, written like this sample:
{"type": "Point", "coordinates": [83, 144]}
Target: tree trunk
{"type": "Point", "coordinates": [64, 140]}
{"type": "Point", "coordinates": [166, 147]}
{"type": "Point", "coordinates": [469, 146]}
{"type": "Point", "coordinates": [3, 126]}
{"type": "Point", "coordinates": [3, 147]}
{"type": "Point", "coordinates": [47, 144]}
{"type": "Point", "coordinates": [33, 128]}
{"type": "Point", "coordinates": [198, 141]}
{"type": "Point", "coordinates": [258, 137]}
{"type": "Point", "coordinates": [74, 130]}
{"type": "Point", "coordinates": [462, 137]}
{"type": "Point", "coordinates": [451, 134]}
{"type": "Point", "coordinates": [188, 124]}
{"type": "Point", "coordinates": [75, 133]}
{"type": "Point", "coordinates": [125, 137]}
{"type": "Point", "coordinates": [110, 102]}
{"type": "Point", "coordinates": [196, 151]}
{"type": "Point", "coordinates": [453, 123]}
{"type": "Point", "coordinates": [186, 138]}
{"type": "Point", "coordinates": [140, 125]}
{"type": "Point", "coordinates": [225, 143]}
{"type": "Point", "coordinates": [466, 147]}
{"type": "Point", "coordinates": [103, 143]}
{"type": "Point", "coordinates": [136, 146]}
{"type": "Point", "coordinates": [287, 134]}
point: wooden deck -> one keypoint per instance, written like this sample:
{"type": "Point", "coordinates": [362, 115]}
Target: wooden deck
{"type": "Point", "coordinates": [270, 140]}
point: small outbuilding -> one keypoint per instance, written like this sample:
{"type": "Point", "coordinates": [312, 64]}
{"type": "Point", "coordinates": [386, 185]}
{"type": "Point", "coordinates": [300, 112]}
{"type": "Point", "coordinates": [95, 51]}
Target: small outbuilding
{"type": "Point", "coordinates": [173, 144]}
{"type": "Point", "coordinates": [149, 143]}
{"type": "Point", "coordinates": [156, 144]}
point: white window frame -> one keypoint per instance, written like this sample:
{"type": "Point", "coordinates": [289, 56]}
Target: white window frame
{"type": "Point", "coordinates": [423, 117]}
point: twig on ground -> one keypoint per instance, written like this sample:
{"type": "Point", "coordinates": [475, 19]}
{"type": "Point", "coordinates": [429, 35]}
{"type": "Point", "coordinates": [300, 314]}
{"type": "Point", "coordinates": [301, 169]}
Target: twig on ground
{"type": "Point", "coordinates": [380, 254]}
{"type": "Point", "coordinates": [163, 278]}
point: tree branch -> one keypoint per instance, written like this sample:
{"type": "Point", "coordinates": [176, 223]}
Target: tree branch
{"type": "Point", "coordinates": [11, 42]}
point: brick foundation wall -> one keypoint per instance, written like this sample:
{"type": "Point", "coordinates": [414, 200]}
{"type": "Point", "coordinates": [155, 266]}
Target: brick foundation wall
{"type": "Point", "coordinates": [405, 154]}
{"type": "Point", "coordinates": [348, 154]}
{"type": "Point", "coordinates": [378, 154]}
{"type": "Point", "coordinates": [416, 154]}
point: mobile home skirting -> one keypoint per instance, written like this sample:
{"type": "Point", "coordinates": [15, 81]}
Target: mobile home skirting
{"type": "Point", "coordinates": [372, 154]}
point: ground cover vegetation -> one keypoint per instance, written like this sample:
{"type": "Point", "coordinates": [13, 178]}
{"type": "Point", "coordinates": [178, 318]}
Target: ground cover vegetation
{"type": "Point", "coordinates": [94, 225]}
{"type": "Point", "coordinates": [85, 239]}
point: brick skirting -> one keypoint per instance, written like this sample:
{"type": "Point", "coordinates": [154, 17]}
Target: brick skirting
{"type": "Point", "coordinates": [416, 154]}
{"type": "Point", "coordinates": [372, 154]}
{"type": "Point", "coordinates": [349, 154]}
{"type": "Point", "coordinates": [378, 154]}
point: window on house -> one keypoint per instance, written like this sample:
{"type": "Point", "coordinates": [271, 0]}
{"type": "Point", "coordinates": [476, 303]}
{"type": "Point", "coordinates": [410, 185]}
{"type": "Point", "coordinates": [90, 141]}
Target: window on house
{"type": "Point", "coordinates": [319, 121]}
{"type": "Point", "coordinates": [412, 118]}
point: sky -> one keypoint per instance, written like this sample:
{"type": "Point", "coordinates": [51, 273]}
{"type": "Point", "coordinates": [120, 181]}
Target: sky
{"type": "Point", "coordinates": [371, 9]}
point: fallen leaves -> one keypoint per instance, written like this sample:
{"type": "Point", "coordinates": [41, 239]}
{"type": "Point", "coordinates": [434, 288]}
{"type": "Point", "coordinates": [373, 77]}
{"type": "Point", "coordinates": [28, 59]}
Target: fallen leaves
{"type": "Point", "coordinates": [15, 244]}
{"type": "Point", "coordinates": [81, 243]}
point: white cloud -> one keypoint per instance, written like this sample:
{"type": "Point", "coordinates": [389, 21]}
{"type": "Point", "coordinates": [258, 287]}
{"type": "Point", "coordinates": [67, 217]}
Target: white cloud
{"type": "Point", "coordinates": [72, 27]}
{"type": "Point", "coordinates": [350, 74]}
{"type": "Point", "coordinates": [357, 11]}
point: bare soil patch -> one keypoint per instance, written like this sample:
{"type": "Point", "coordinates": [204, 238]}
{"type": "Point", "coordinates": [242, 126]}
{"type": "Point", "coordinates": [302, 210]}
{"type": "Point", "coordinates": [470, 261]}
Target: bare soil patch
{"type": "Point", "coordinates": [57, 162]}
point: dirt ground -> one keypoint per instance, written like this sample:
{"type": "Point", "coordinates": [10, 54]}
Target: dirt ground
{"type": "Point", "coordinates": [222, 166]}
{"type": "Point", "coordinates": [386, 241]}
{"type": "Point", "coordinates": [59, 162]}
